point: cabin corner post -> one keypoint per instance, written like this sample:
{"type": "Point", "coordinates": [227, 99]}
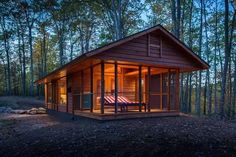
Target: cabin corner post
{"type": "Point", "coordinates": [140, 87]}
{"type": "Point", "coordinates": [168, 97]}
{"type": "Point", "coordinates": [46, 94]}
{"type": "Point", "coordinates": [177, 91]}
{"type": "Point", "coordinates": [57, 101]}
{"type": "Point", "coordinates": [82, 90]}
{"type": "Point", "coordinates": [73, 107]}
{"type": "Point", "coordinates": [91, 88]}
{"type": "Point", "coordinates": [102, 87]}
{"type": "Point", "coordinates": [149, 88]}
{"type": "Point", "coordinates": [161, 91]}
{"type": "Point", "coordinates": [66, 93]}
{"type": "Point", "coordinates": [116, 87]}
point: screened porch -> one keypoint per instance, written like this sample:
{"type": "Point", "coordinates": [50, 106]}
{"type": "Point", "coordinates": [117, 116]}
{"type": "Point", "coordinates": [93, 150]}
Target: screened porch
{"type": "Point", "coordinates": [108, 88]}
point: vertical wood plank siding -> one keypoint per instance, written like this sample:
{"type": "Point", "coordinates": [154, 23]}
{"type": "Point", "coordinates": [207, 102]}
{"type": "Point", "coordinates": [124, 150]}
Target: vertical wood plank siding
{"type": "Point", "coordinates": [160, 46]}
{"type": "Point", "coordinates": [162, 51]}
{"type": "Point", "coordinates": [148, 51]}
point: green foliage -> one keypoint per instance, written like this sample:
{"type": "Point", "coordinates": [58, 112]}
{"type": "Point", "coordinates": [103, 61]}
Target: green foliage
{"type": "Point", "coordinates": [64, 29]}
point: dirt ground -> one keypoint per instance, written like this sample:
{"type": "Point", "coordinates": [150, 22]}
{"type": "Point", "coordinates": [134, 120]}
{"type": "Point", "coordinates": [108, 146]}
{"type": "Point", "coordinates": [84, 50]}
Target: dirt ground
{"type": "Point", "coordinates": [56, 134]}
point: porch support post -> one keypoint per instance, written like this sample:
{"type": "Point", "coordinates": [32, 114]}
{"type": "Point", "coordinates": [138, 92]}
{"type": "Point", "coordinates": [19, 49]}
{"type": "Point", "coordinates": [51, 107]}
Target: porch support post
{"type": "Point", "coordinates": [149, 88]}
{"type": "Point", "coordinates": [140, 87]}
{"type": "Point", "coordinates": [177, 91]}
{"type": "Point", "coordinates": [91, 88]}
{"type": "Point", "coordinates": [66, 93]}
{"type": "Point", "coordinates": [161, 85]}
{"type": "Point", "coordinates": [53, 96]}
{"type": "Point", "coordinates": [102, 87]}
{"type": "Point", "coordinates": [57, 101]}
{"type": "Point", "coordinates": [73, 107]}
{"type": "Point", "coordinates": [168, 97]}
{"type": "Point", "coordinates": [82, 90]}
{"type": "Point", "coordinates": [46, 94]}
{"type": "Point", "coordinates": [116, 87]}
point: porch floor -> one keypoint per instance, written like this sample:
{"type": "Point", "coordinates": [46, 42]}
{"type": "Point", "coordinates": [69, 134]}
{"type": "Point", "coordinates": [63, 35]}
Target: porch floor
{"type": "Point", "coordinates": [126, 115]}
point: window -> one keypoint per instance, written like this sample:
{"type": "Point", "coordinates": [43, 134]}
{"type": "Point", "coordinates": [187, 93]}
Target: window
{"type": "Point", "coordinates": [49, 93]}
{"type": "Point", "coordinates": [97, 88]}
{"type": "Point", "coordinates": [62, 98]}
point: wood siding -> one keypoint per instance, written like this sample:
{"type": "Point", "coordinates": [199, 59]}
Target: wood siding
{"type": "Point", "coordinates": [158, 51]}
{"type": "Point", "coordinates": [130, 88]}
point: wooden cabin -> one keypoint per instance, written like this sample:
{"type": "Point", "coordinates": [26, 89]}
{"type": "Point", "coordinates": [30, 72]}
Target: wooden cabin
{"type": "Point", "coordinates": [137, 75]}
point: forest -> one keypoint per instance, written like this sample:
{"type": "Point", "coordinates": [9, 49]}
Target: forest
{"type": "Point", "coordinates": [36, 37]}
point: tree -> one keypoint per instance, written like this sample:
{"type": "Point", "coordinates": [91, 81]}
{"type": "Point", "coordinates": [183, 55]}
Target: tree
{"type": "Point", "coordinates": [5, 37]}
{"type": "Point", "coordinates": [226, 58]}
{"type": "Point", "coordinates": [119, 17]}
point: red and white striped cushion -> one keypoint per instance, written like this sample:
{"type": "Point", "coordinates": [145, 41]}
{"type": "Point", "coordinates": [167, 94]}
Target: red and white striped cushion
{"type": "Point", "coordinates": [120, 99]}
{"type": "Point", "coordinates": [123, 99]}
{"type": "Point", "coordinates": [109, 99]}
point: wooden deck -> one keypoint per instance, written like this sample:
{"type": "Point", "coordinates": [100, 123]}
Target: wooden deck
{"type": "Point", "coordinates": [127, 115]}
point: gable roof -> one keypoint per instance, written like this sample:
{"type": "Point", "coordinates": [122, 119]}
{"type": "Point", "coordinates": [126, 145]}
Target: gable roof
{"type": "Point", "coordinates": [96, 51]}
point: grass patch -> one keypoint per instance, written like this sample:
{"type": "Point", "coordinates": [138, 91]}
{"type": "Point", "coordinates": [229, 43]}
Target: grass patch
{"type": "Point", "coordinates": [7, 122]}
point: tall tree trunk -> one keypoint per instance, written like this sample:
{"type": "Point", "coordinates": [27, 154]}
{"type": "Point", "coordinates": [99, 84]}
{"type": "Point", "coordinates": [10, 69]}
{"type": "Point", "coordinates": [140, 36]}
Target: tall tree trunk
{"type": "Point", "coordinates": [186, 94]}
{"type": "Point", "coordinates": [116, 10]}
{"type": "Point", "coordinates": [6, 36]}
{"type": "Point", "coordinates": [204, 97]}
{"type": "Point", "coordinates": [190, 45]}
{"type": "Point", "coordinates": [198, 98]}
{"type": "Point", "coordinates": [173, 14]}
{"type": "Point", "coordinates": [210, 101]}
{"type": "Point", "coordinates": [232, 114]}
{"type": "Point", "coordinates": [5, 75]}
{"type": "Point", "coordinates": [207, 105]}
{"type": "Point", "coordinates": [234, 90]}
{"type": "Point", "coordinates": [215, 58]}
{"type": "Point", "coordinates": [44, 52]}
{"type": "Point", "coordinates": [31, 62]}
{"type": "Point", "coordinates": [190, 94]}
{"type": "Point", "coordinates": [20, 59]}
{"type": "Point", "coordinates": [178, 17]}
{"type": "Point", "coordinates": [182, 93]}
{"type": "Point", "coordinates": [23, 64]}
{"type": "Point", "coordinates": [71, 46]}
{"type": "Point", "coordinates": [226, 59]}
{"type": "Point", "coordinates": [61, 49]}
